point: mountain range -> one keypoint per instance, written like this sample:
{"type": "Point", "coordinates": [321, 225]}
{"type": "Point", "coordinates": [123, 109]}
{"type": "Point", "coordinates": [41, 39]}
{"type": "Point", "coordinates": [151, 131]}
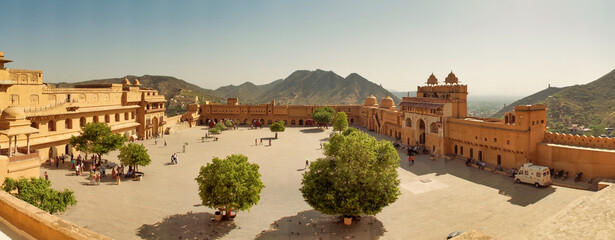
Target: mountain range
{"type": "Point", "coordinates": [302, 87]}
{"type": "Point", "coordinates": [588, 104]}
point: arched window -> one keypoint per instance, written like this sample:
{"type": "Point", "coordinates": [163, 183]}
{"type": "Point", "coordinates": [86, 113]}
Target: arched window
{"type": "Point", "coordinates": [68, 123]}
{"type": "Point", "coordinates": [107, 118]}
{"type": "Point", "coordinates": [82, 121]}
{"type": "Point", "coordinates": [117, 117]}
{"type": "Point", "coordinates": [95, 119]}
{"type": "Point", "coordinates": [51, 126]}
{"type": "Point", "coordinates": [126, 116]}
{"type": "Point", "coordinates": [132, 115]}
{"type": "Point", "coordinates": [408, 122]}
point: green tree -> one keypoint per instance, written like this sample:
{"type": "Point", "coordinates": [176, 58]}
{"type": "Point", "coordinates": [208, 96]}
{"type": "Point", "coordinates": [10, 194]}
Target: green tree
{"type": "Point", "coordinates": [220, 126]}
{"type": "Point", "coordinates": [133, 154]}
{"type": "Point", "coordinates": [230, 183]}
{"type": "Point", "coordinates": [323, 115]}
{"type": "Point", "coordinates": [357, 176]}
{"type": "Point", "coordinates": [228, 123]}
{"type": "Point", "coordinates": [277, 127]}
{"type": "Point", "coordinates": [97, 138]}
{"type": "Point", "coordinates": [340, 122]}
{"type": "Point", "coordinates": [214, 130]}
{"type": "Point", "coordinates": [37, 191]}
{"type": "Point", "coordinates": [349, 131]}
{"type": "Point", "coordinates": [597, 130]}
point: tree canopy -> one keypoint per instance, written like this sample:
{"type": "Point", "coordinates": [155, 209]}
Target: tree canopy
{"type": "Point", "coordinates": [357, 176]}
{"type": "Point", "coordinates": [340, 122]}
{"type": "Point", "coordinates": [277, 127]}
{"type": "Point", "coordinates": [228, 123]}
{"type": "Point", "coordinates": [37, 191]}
{"type": "Point", "coordinates": [323, 115]}
{"type": "Point", "coordinates": [133, 154]}
{"type": "Point", "coordinates": [349, 131]}
{"type": "Point", "coordinates": [230, 183]}
{"type": "Point", "coordinates": [97, 138]}
{"type": "Point", "coordinates": [220, 126]}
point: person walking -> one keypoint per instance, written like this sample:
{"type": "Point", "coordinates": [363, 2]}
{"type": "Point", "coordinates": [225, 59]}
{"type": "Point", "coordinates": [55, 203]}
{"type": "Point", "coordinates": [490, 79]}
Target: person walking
{"type": "Point", "coordinates": [46, 176]}
{"type": "Point", "coordinates": [269, 142]}
{"type": "Point", "coordinates": [165, 143]}
{"type": "Point", "coordinates": [256, 142]}
{"type": "Point", "coordinates": [307, 164]}
{"type": "Point", "coordinates": [155, 141]}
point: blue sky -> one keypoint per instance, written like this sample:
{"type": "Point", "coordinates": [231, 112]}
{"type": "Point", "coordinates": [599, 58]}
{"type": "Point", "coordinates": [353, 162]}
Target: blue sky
{"type": "Point", "coordinates": [496, 47]}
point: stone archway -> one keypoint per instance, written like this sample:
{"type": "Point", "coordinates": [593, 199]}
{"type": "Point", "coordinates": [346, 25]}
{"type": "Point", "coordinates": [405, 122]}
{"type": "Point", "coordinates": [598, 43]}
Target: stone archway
{"type": "Point", "coordinates": [421, 131]}
{"type": "Point", "coordinates": [155, 126]}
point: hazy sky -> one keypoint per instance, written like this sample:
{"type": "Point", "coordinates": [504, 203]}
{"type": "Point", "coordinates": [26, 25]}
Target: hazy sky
{"type": "Point", "coordinates": [496, 47]}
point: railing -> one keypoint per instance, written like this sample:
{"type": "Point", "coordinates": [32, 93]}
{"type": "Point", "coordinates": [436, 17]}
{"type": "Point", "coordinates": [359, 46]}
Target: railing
{"type": "Point", "coordinates": [48, 107]}
{"type": "Point", "coordinates": [157, 98]}
{"type": "Point", "coordinates": [155, 110]}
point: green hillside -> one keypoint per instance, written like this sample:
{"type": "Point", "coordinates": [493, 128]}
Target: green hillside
{"type": "Point", "coordinates": [590, 104]}
{"type": "Point", "coordinates": [535, 98]}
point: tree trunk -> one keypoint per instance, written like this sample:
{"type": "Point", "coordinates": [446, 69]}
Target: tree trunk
{"type": "Point", "coordinates": [228, 213]}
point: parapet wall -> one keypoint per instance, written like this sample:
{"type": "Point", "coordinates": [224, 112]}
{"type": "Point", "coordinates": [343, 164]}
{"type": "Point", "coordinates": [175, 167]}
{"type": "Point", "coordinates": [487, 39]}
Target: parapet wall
{"type": "Point", "coordinates": [580, 141]}
{"type": "Point", "coordinates": [40, 224]}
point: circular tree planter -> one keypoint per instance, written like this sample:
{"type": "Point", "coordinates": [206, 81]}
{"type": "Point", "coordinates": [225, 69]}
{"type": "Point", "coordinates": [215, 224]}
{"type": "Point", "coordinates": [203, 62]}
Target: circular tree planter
{"type": "Point", "coordinates": [347, 220]}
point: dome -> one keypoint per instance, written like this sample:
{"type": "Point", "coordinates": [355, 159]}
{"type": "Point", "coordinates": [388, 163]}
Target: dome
{"type": "Point", "coordinates": [387, 102]}
{"type": "Point", "coordinates": [126, 81]}
{"type": "Point", "coordinates": [432, 80]}
{"type": "Point", "coordinates": [13, 113]}
{"type": "Point", "coordinates": [136, 82]}
{"type": "Point", "coordinates": [451, 78]}
{"type": "Point", "coordinates": [371, 101]}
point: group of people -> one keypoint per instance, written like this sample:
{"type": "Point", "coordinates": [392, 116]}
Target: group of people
{"type": "Point", "coordinates": [174, 159]}
{"type": "Point", "coordinates": [481, 164]}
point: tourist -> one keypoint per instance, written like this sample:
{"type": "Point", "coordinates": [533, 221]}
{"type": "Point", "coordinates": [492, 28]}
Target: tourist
{"type": "Point", "coordinates": [482, 165]}
{"type": "Point", "coordinates": [468, 162]}
{"type": "Point", "coordinates": [57, 160]}
{"type": "Point", "coordinates": [46, 176]}
{"type": "Point", "coordinates": [97, 178]}
{"type": "Point", "coordinates": [176, 159]}
{"type": "Point", "coordinates": [91, 178]}
{"type": "Point", "coordinates": [307, 163]}
{"type": "Point", "coordinates": [256, 142]}
{"type": "Point", "coordinates": [102, 171]}
{"type": "Point", "coordinates": [165, 143]}
{"type": "Point", "coordinates": [72, 161]}
{"type": "Point", "coordinates": [155, 141]}
{"type": "Point", "coordinates": [269, 142]}
{"type": "Point", "coordinates": [113, 173]}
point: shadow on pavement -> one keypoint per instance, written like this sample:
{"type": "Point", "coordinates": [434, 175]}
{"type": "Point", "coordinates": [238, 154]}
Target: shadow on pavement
{"type": "Point", "coordinates": [312, 130]}
{"type": "Point", "coordinates": [189, 225]}
{"type": "Point", "coordinates": [520, 194]}
{"type": "Point", "coordinates": [312, 224]}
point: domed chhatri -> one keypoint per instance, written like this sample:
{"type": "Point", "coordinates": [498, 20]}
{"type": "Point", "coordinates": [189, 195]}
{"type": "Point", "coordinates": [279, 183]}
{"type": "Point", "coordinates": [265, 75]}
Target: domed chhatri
{"type": "Point", "coordinates": [387, 102]}
{"type": "Point", "coordinates": [451, 79]}
{"type": "Point", "coordinates": [136, 82]}
{"type": "Point", "coordinates": [126, 81]}
{"type": "Point", "coordinates": [13, 113]}
{"type": "Point", "coordinates": [432, 80]}
{"type": "Point", "coordinates": [371, 101]}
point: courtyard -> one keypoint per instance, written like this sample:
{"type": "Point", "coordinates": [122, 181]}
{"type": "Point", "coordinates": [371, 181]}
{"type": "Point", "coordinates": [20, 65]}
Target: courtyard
{"type": "Point", "coordinates": [438, 196]}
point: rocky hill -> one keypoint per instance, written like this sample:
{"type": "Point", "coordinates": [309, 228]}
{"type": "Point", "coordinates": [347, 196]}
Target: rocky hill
{"type": "Point", "coordinates": [588, 104]}
{"type": "Point", "coordinates": [308, 87]}
{"type": "Point", "coordinates": [535, 98]}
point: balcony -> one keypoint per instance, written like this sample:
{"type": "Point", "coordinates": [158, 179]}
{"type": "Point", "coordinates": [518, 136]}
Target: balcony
{"type": "Point", "coordinates": [157, 98]}
{"type": "Point", "coordinates": [154, 110]}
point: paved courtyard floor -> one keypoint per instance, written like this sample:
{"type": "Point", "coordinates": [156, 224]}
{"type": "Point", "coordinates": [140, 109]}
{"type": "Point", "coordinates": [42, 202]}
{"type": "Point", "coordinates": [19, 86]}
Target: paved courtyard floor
{"type": "Point", "coordinates": [438, 197]}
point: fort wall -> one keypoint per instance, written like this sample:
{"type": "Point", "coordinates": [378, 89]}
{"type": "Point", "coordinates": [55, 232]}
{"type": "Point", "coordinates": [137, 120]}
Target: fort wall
{"type": "Point", "coordinates": [581, 141]}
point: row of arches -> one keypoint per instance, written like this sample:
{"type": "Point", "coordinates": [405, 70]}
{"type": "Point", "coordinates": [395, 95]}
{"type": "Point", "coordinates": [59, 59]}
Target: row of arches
{"type": "Point", "coordinates": [68, 123]}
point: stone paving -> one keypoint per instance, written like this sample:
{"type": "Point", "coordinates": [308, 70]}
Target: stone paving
{"type": "Point", "coordinates": [438, 196]}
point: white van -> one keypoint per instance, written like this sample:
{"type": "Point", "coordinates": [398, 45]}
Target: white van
{"type": "Point", "coordinates": [532, 174]}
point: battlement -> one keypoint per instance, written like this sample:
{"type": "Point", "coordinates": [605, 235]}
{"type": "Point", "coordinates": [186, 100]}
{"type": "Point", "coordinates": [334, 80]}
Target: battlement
{"type": "Point", "coordinates": [443, 89]}
{"type": "Point", "coordinates": [581, 141]}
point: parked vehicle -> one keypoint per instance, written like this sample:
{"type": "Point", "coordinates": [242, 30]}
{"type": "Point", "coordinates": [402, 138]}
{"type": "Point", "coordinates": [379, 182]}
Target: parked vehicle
{"type": "Point", "coordinates": [533, 174]}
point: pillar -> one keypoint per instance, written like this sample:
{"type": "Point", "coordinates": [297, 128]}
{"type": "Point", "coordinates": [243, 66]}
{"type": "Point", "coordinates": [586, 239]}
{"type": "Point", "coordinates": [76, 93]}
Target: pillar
{"type": "Point", "coordinates": [15, 144]}
{"type": "Point", "coordinates": [10, 145]}
{"type": "Point", "coordinates": [28, 142]}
